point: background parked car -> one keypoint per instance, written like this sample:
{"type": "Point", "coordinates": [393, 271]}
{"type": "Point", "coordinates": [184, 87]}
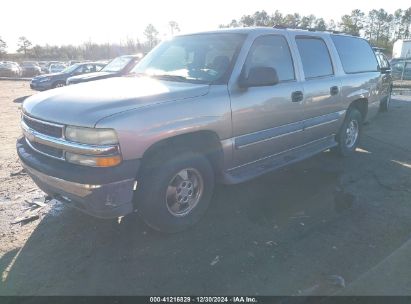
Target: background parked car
{"type": "Point", "coordinates": [71, 62]}
{"type": "Point", "coordinates": [401, 73]}
{"type": "Point", "coordinates": [10, 69]}
{"type": "Point", "coordinates": [56, 68]}
{"type": "Point", "coordinates": [47, 66]}
{"type": "Point", "coordinates": [50, 81]}
{"type": "Point", "coordinates": [402, 48]}
{"type": "Point", "coordinates": [43, 66]}
{"type": "Point", "coordinates": [119, 66]}
{"type": "Point", "coordinates": [30, 69]}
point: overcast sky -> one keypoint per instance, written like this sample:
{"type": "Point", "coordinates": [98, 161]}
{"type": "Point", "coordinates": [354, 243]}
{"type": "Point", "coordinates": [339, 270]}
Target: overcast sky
{"type": "Point", "coordinates": [76, 21]}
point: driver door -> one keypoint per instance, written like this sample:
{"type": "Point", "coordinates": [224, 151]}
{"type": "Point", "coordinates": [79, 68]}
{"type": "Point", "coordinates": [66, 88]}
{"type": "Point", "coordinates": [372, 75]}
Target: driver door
{"type": "Point", "coordinates": [267, 120]}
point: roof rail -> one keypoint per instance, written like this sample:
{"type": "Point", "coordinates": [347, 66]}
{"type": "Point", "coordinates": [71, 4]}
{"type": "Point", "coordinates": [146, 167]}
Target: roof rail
{"type": "Point", "coordinates": [278, 26]}
{"type": "Point", "coordinates": [310, 29]}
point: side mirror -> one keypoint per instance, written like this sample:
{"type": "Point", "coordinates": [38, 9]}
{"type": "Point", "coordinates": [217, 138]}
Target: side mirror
{"type": "Point", "coordinates": [259, 77]}
{"type": "Point", "coordinates": [385, 70]}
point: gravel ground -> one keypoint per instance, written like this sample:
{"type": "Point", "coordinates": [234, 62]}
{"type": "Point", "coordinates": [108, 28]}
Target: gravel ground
{"type": "Point", "coordinates": [16, 188]}
{"type": "Point", "coordinates": [309, 229]}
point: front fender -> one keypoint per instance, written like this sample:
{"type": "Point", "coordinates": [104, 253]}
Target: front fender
{"type": "Point", "coordinates": [139, 129]}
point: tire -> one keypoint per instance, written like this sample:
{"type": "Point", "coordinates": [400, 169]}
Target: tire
{"type": "Point", "coordinates": [158, 195]}
{"type": "Point", "coordinates": [58, 84]}
{"type": "Point", "coordinates": [385, 105]}
{"type": "Point", "coordinates": [350, 133]}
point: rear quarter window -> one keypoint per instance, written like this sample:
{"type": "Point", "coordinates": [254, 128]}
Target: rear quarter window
{"type": "Point", "coordinates": [356, 54]}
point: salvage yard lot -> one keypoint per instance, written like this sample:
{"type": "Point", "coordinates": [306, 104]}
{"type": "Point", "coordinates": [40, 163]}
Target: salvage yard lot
{"type": "Point", "coordinates": [312, 228]}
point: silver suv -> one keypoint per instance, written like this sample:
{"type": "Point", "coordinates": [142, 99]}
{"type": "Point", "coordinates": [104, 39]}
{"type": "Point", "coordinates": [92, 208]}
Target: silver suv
{"type": "Point", "coordinates": [223, 106]}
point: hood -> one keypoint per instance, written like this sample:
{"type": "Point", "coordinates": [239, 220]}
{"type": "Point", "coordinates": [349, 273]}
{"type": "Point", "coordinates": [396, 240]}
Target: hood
{"type": "Point", "coordinates": [52, 75]}
{"type": "Point", "coordinates": [31, 67]}
{"type": "Point", "coordinates": [86, 103]}
{"type": "Point", "coordinates": [90, 76]}
{"type": "Point", "coordinates": [8, 68]}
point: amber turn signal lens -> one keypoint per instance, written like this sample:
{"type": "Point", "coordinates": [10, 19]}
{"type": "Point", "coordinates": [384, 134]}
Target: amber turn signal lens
{"type": "Point", "coordinates": [93, 161]}
{"type": "Point", "coordinates": [108, 161]}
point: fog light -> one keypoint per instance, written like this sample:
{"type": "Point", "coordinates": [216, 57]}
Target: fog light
{"type": "Point", "coordinates": [93, 161]}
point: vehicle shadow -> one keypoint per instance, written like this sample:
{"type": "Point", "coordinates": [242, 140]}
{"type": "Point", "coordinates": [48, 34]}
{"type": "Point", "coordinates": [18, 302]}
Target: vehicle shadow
{"type": "Point", "coordinates": [21, 99]}
{"type": "Point", "coordinates": [277, 234]}
{"type": "Point", "coordinates": [76, 254]}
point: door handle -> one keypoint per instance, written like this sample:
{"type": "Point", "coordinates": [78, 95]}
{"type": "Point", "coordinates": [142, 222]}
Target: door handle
{"type": "Point", "coordinates": [334, 90]}
{"type": "Point", "coordinates": [297, 96]}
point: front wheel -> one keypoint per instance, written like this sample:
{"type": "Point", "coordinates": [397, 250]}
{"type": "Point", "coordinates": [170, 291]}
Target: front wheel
{"type": "Point", "coordinates": [350, 132]}
{"type": "Point", "coordinates": [176, 192]}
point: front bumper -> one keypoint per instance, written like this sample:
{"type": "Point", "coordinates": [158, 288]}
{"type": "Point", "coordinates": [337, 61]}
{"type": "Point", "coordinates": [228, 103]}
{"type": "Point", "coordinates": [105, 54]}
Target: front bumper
{"type": "Point", "coordinates": [101, 192]}
{"type": "Point", "coordinates": [40, 86]}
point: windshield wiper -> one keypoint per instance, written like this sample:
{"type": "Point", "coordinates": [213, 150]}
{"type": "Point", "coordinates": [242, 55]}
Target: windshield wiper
{"type": "Point", "coordinates": [170, 77]}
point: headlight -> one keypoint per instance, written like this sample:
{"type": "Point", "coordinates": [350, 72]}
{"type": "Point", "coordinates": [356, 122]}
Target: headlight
{"type": "Point", "coordinates": [44, 79]}
{"type": "Point", "coordinates": [93, 161]}
{"type": "Point", "coordinates": [91, 136]}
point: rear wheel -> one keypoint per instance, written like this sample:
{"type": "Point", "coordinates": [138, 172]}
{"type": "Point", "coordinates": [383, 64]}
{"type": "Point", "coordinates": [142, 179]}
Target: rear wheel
{"type": "Point", "coordinates": [385, 105]}
{"type": "Point", "coordinates": [350, 133]}
{"type": "Point", "coordinates": [58, 84]}
{"type": "Point", "coordinates": [175, 192]}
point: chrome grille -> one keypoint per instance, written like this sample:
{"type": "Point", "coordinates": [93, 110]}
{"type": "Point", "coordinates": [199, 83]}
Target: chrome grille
{"type": "Point", "coordinates": [43, 127]}
{"type": "Point", "coordinates": [48, 129]}
{"type": "Point", "coordinates": [50, 151]}
{"type": "Point", "coordinates": [48, 138]}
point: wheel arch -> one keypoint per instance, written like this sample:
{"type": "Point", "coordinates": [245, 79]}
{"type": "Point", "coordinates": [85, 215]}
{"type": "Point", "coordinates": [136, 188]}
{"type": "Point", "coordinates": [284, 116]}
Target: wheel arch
{"type": "Point", "coordinates": [204, 142]}
{"type": "Point", "coordinates": [361, 105]}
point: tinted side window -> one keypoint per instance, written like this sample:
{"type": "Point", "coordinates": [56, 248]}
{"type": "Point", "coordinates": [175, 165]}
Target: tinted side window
{"type": "Point", "coordinates": [315, 57]}
{"type": "Point", "coordinates": [271, 51]}
{"type": "Point", "coordinates": [356, 54]}
{"type": "Point", "coordinates": [398, 67]}
{"type": "Point", "coordinates": [383, 63]}
{"type": "Point", "coordinates": [380, 63]}
{"type": "Point", "coordinates": [407, 71]}
{"type": "Point", "coordinates": [386, 63]}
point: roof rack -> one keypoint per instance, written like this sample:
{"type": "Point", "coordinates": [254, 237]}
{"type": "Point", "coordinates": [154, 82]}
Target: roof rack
{"type": "Point", "coordinates": [310, 29]}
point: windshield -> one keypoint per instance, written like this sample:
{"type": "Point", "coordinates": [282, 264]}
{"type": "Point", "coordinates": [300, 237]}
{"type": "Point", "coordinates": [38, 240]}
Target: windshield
{"type": "Point", "coordinates": [204, 58]}
{"type": "Point", "coordinates": [6, 65]}
{"type": "Point", "coordinates": [70, 69]}
{"type": "Point", "coordinates": [117, 64]}
{"type": "Point", "coordinates": [29, 64]}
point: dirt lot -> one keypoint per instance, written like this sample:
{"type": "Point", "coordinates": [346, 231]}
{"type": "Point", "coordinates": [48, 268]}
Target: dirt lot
{"type": "Point", "coordinates": [310, 229]}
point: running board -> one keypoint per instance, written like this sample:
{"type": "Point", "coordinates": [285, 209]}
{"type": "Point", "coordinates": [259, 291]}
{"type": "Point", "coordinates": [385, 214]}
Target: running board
{"type": "Point", "coordinates": [270, 163]}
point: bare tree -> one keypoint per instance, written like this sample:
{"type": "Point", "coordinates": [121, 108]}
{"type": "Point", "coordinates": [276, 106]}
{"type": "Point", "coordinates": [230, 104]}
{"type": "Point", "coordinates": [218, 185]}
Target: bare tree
{"type": "Point", "coordinates": [320, 24]}
{"type": "Point", "coordinates": [331, 25]}
{"type": "Point", "coordinates": [24, 45]}
{"type": "Point", "coordinates": [406, 23]}
{"type": "Point", "coordinates": [353, 23]}
{"type": "Point", "coordinates": [397, 24]}
{"type": "Point", "coordinates": [307, 21]}
{"type": "Point", "coordinates": [292, 20]}
{"type": "Point", "coordinates": [174, 27]}
{"type": "Point", "coordinates": [3, 46]}
{"type": "Point", "coordinates": [151, 34]}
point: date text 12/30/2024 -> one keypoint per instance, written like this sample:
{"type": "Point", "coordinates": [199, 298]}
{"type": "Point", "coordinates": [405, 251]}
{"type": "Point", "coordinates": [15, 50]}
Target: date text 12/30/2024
{"type": "Point", "coordinates": [240, 299]}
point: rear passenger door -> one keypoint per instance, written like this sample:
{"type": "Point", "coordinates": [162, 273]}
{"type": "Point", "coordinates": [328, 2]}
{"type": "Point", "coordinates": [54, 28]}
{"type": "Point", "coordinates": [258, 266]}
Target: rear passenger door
{"type": "Point", "coordinates": [321, 88]}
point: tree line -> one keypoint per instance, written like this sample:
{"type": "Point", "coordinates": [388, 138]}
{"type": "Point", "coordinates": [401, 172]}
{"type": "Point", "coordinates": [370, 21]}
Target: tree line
{"type": "Point", "coordinates": [86, 51]}
{"type": "Point", "coordinates": [381, 28]}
